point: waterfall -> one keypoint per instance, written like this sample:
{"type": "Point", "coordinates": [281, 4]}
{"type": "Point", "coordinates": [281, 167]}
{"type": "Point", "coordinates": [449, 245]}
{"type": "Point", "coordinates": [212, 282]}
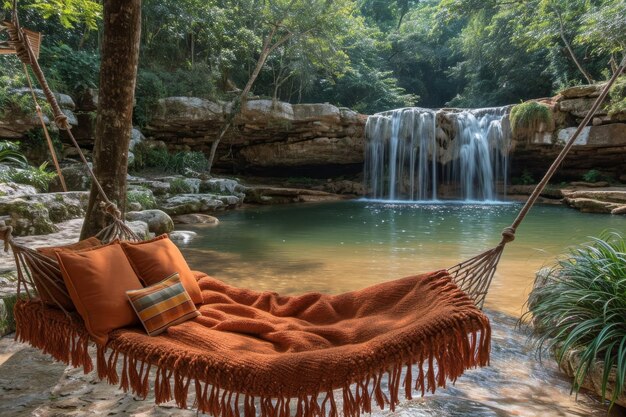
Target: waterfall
{"type": "Point", "coordinates": [414, 153]}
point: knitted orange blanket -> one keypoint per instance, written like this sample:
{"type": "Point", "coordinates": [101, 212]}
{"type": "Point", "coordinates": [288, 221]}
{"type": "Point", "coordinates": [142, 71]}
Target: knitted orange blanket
{"type": "Point", "coordinates": [258, 353]}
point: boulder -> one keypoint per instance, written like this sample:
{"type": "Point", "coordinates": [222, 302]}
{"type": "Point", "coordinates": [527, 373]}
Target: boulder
{"type": "Point", "coordinates": [593, 380]}
{"type": "Point", "coordinates": [267, 110]}
{"type": "Point", "coordinates": [579, 107]}
{"type": "Point", "coordinates": [196, 218]}
{"type": "Point", "coordinates": [182, 236]}
{"type": "Point", "coordinates": [136, 137]}
{"type": "Point", "coordinates": [186, 111]}
{"type": "Point", "coordinates": [316, 112]}
{"type": "Point", "coordinates": [588, 90]}
{"type": "Point", "coordinates": [140, 228]}
{"type": "Point", "coordinates": [76, 178]}
{"type": "Point", "coordinates": [619, 210]}
{"type": "Point", "coordinates": [198, 203]}
{"type": "Point", "coordinates": [596, 136]}
{"type": "Point", "coordinates": [345, 187]}
{"type": "Point", "coordinates": [158, 187]}
{"type": "Point", "coordinates": [36, 214]}
{"type": "Point", "coordinates": [65, 101]}
{"type": "Point", "coordinates": [27, 218]}
{"type": "Point", "coordinates": [222, 186]}
{"type": "Point", "coordinates": [158, 221]}
{"type": "Point", "coordinates": [617, 195]}
{"type": "Point", "coordinates": [588, 205]}
{"type": "Point", "coordinates": [15, 190]}
{"type": "Point", "coordinates": [277, 195]}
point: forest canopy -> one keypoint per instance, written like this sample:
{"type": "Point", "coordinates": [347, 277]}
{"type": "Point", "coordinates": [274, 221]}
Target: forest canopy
{"type": "Point", "coordinates": [370, 55]}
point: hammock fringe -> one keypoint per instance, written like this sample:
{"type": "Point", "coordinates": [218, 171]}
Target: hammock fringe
{"type": "Point", "coordinates": [452, 351]}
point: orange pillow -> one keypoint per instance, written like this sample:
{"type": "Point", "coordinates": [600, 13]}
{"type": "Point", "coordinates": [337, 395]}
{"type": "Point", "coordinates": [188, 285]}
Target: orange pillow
{"type": "Point", "coordinates": [49, 292]}
{"type": "Point", "coordinates": [97, 280]}
{"type": "Point", "coordinates": [156, 259]}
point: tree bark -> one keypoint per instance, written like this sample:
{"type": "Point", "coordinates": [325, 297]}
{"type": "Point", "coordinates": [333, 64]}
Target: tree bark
{"type": "Point", "coordinates": [118, 73]}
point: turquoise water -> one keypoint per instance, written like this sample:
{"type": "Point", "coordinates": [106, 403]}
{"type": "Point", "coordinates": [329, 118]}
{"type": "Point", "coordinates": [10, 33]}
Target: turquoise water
{"type": "Point", "coordinates": [341, 246]}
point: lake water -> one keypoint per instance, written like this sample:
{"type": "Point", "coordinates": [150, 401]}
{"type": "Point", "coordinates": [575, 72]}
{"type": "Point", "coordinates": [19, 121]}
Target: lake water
{"type": "Point", "coordinates": [337, 247]}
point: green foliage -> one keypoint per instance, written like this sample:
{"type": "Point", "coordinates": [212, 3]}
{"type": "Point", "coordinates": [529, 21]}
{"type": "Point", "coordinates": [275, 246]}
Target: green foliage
{"type": "Point", "coordinates": [70, 71]}
{"type": "Point", "coordinates": [70, 13]}
{"type": "Point", "coordinates": [618, 96]}
{"type": "Point", "coordinates": [143, 196]}
{"type": "Point", "coordinates": [593, 175]}
{"type": "Point", "coordinates": [10, 154]}
{"type": "Point", "coordinates": [180, 186]}
{"type": "Point", "coordinates": [160, 158]}
{"type": "Point", "coordinates": [38, 177]}
{"type": "Point", "coordinates": [12, 102]}
{"type": "Point", "coordinates": [529, 116]}
{"type": "Point", "coordinates": [525, 179]}
{"type": "Point", "coordinates": [582, 305]}
{"type": "Point", "coordinates": [371, 55]}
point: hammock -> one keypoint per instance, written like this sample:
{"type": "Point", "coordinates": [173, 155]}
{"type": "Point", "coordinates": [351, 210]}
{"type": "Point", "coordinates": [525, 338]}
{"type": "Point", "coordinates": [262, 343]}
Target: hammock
{"type": "Point", "coordinates": [259, 353]}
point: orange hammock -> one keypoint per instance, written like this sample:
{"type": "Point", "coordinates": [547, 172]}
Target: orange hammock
{"type": "Point", "coordinates": [279, 356]}
{"type": "Point", "coordinates": [259, 353]}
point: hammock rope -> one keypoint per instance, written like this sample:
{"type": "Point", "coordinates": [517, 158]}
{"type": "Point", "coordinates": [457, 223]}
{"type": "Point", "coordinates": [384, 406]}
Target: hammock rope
{"type": "Point", "coordinates": [473, 276]}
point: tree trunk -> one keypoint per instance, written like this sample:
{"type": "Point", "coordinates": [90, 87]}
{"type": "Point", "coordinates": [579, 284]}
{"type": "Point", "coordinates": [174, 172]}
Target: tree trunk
{"type": "Point", "coordinates": [571, 51]}
{"type": "Point", "coordinates": [118, 72]}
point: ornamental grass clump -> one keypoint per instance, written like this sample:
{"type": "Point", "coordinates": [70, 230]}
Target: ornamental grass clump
{"type": "Point", "coordinates": [581, 306]}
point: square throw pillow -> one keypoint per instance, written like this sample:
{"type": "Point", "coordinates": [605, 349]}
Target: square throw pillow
{"type": "Point", "coordinates": [156, 259]}
{"type": "Point", "coordinates": [162, 305]}
{"type": "Point", "coordinates": [97, 280]}
{"type": "Point", "coordinates": [51, 287]}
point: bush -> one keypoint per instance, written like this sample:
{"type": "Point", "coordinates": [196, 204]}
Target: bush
{"type": "Point", "coordinates": [70, 71]}
{"type": "Point", "coordinates": [525, 179]}
{"type": "Point", "coordinates": [593, 175]}
{"type": "Point", "coordinates": [11, 102]}
{"type": "Point", "coordinates": [527, 117]}
{"type": "Point", "coordinates": [141, 195]}
{"type": "Point", "coordinates": [38, 177]}
{"type": "Point", "coordinates": [180, 186]}
{"type": "Point", "coordinates": [582, 305]}
{"type": "Point", "coordinates": [159, 158]}
{"type": "Point", "coordinates": [618, 96]}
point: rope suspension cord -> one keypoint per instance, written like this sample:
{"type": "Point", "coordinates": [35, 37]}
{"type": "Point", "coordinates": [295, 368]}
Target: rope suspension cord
{"type": "Point", "coordinates": [474, 276]}
{"type": "Point", "coordinates": [508, 234]}
{"type": "Point", "coordinates": [24, 51]}
{"type": "Point", "coordinates": [45, 130]}
{"type": "Point", "coordinates": [20, 41]}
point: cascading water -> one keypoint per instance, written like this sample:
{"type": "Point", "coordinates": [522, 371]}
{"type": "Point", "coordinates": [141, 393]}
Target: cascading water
{"type": "Point", "coordinates": [411, 153]}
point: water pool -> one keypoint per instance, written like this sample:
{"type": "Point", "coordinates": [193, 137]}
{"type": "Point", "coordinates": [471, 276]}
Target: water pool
{"type": "Point", "coordinates": [342, 246]}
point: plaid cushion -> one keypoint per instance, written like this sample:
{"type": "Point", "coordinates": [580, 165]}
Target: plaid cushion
{"type": "Point", "coordinates": [162, 305]}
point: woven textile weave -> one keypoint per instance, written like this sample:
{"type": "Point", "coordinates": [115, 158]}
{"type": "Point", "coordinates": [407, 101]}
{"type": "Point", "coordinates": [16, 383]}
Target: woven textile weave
{"type": "Point", "coordinates": [162, 305]}
{"type": "Point", "coordinates": [260, 354]}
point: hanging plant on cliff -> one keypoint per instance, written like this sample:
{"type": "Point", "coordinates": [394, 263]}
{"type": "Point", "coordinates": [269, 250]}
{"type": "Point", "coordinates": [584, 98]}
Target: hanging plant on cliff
{"type": "Point", "coordinates": [529, 117]}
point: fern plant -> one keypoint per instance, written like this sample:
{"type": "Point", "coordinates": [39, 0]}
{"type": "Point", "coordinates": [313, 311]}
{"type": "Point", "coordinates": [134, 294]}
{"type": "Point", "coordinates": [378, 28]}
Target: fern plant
{"type": "Point", "coordinates": [581, 306]}
{"type": "Point", "coordinates": [39, 177]}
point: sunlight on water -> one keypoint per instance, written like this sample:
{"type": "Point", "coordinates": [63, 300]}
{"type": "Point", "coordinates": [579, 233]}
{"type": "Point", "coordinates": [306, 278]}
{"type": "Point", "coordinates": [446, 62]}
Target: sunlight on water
{"type": "Point", "coordinates": [337, 247]}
